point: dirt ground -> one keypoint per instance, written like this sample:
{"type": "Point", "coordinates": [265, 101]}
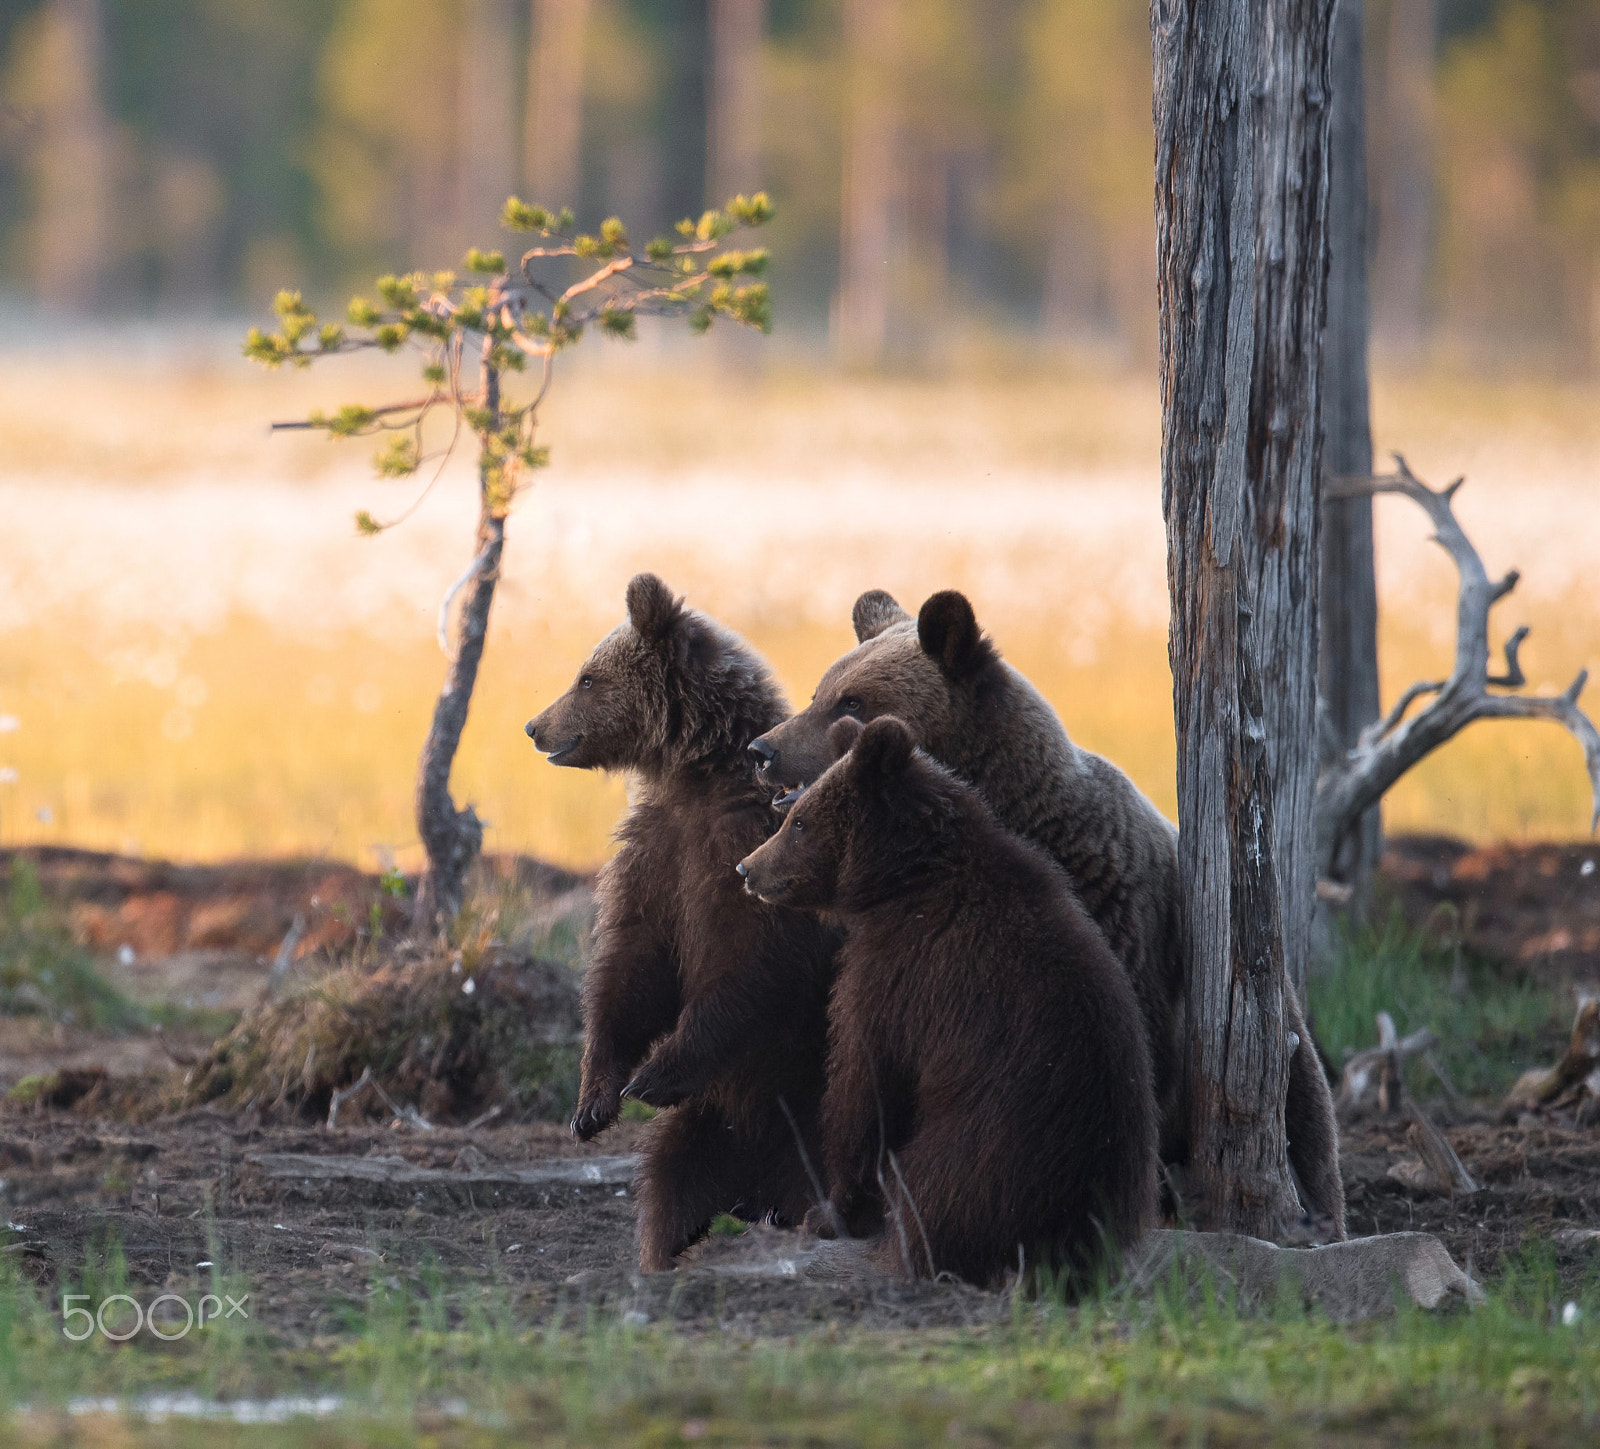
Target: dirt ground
{"type": "Point", "coordinates": [507, 1209]}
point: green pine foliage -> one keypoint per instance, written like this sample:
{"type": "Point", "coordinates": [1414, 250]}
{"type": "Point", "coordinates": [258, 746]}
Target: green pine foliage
{"type": "Point", "coordinates": [510, 315]}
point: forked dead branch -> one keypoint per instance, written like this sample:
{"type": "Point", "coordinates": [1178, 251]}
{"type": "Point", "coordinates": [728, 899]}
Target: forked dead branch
{"type": "Point", "coordinates": [1352, 782]}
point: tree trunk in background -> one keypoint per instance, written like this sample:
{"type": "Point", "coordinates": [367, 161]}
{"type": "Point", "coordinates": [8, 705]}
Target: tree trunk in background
{"type": "Point", "coordinates": [733, 137]}
{"type": "Point", "coordinates": [1405, 178]}
{"type": "Point", "coordinates": [1241, 103]}
{"type": "Point", "coordinates": [451, 837]}
{"type": "Point", "coordinates": [1349, 663]}
{"type": "Point", "coordinates": [552, 147]}
{"type": "Point", "coordinates": [487, 116]}
{"type": "Point", "coordinates": [871, 173]}
{"type": "Point", "coordinates": [72, 157]}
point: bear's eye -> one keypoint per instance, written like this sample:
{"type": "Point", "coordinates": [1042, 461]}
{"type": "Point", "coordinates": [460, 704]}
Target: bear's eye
{"type": "Point", "coordinates": [797, 825]}
{"type": "Point", "coordinates": [850, 705]}
{"type": "Point", "coordinates": [587, 681]}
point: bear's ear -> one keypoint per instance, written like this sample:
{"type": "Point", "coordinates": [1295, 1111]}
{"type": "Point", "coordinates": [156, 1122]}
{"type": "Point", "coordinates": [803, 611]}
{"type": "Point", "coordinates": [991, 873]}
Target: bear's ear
{"type": "Point", "coordinates": [874, 612]}
{"type": "Point", "coordinates": [883, 749]}
{"type": "Point", "coordinates": [652, 610]}
{"type": "Point", "coordinates": [842, 736]}
{"type": "Point", "coordinates": [948, 631]}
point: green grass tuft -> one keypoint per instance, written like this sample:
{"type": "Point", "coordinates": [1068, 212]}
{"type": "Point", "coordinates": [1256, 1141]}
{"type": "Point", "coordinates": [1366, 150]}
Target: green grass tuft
{"type": "Point", "coordinates": [1489, 1028]}
{"type": "Point", "coordinates": [43, 971]}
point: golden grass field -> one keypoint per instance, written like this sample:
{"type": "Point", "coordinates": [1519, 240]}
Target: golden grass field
{"type": "Point", "coordinates": [199, 658]}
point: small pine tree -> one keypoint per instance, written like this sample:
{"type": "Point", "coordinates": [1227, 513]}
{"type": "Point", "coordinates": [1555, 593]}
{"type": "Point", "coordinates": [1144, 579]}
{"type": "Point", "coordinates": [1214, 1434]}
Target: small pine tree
{"type": "Point", "coordinates": [502, 317]}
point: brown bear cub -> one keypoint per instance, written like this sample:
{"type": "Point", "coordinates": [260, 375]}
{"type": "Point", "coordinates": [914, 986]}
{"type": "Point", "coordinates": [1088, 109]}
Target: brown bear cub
{"type": "Point", "coordinates": [977, 715]}
{"type": "Point", "coordinates": [989, 1094]}
{"type": "Point", "coordinates": [699, 998]}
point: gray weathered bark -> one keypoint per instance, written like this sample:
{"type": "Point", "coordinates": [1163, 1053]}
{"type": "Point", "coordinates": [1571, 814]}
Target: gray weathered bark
{"type": "Point", "coordinates": [1241, 102]}
{"type": "Point", "coordinates": [451, 837]}
{"type": "Point", "coordinates": [1349, 623]}
{"type": "Point", "coordinates": [1355, 780]}
{"type": "Point", "coordinates": [861, 307]}
{"type": "Point", "coordinates": [552, 147]}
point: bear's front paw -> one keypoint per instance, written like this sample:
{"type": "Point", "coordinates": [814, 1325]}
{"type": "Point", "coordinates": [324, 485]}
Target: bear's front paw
{"type": "Point", "coordinates": [655, 1086]}
{"type": "Point", "coordinates": [597, 1110]}
{"type": "Point", "coordinates": [822, 1221]}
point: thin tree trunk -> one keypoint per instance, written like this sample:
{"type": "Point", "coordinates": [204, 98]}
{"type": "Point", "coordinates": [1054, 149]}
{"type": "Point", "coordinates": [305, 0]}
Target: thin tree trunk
{"type": "Point", "coordinates": [553, 141]}
{"type": "Point", "coordinates": [487, 115]}
{"type": "Point", "coordinates": [1241, 102]}
{"type": "Point", "coordinates": [451, 837]}
{"type": "Point", "coordinates": [1349, 664]}
{"type": "Point", "coordinates": [733, 138]}
{"type": "Point", "coordinates": [871, 166]}
{"type": "Point", "coordinates": [1405, 178]}
{"type": "Point", "coordinates": [72, 157]}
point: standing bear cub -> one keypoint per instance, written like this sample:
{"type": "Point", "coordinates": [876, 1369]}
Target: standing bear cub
{"type": "Point", "coordinates": [698, 998]}
{"type": "Point", "coordinates": [989, 1092]}
{"type": "Point", "coordinates": [973, 712]}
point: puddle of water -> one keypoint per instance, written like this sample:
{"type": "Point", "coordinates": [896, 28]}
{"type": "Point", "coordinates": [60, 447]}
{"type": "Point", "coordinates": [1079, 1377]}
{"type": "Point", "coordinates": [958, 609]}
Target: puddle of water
{"type": "Point", "coordinates": [156, 1408]}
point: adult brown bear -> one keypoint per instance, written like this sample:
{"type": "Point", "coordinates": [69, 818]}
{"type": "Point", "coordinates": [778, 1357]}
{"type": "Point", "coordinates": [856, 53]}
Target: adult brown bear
{"type": "Point", "coordinates": [976, 714]}
{"type": "Point", "coordinates": [988, 1092]}
{"type": "Point", "coordinates": [699, 998]}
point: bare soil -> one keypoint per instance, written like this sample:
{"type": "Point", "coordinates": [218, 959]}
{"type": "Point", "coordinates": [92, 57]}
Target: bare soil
{"type": "Point", "coordinates": [184, 1190]}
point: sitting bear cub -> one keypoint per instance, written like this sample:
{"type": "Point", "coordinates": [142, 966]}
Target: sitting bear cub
{"type": "Point", "coordinates": [989, 1085]}
{"type": "Point", "coordinates": [976, 714]}
{"type": "Point", "coordinates": [698, 997]}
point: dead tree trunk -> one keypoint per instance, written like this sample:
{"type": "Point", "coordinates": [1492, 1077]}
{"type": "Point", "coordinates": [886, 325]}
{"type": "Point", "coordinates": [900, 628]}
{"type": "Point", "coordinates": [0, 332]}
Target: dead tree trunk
{"type": "Point", "coordinates": [554, 133]}
{"type": "Point", "coordinates": [451, 837]}
{"type": "Point", "coordinates": [1241, 102]}
{"type": "Point", "coordinates": [1349, 623]}
{"type": "Point", "coordinates": [861, 307]}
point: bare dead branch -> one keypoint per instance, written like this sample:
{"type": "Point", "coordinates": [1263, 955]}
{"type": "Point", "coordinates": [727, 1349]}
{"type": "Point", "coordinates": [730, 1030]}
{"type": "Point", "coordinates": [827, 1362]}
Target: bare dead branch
{"type": "Point", "coordinates": [1439, 1156]}
{"type": "Point", "coordinates": [596, 279]}
{"type": "Point", "coordinates": [1513, 678]}
{"type": "Point", "coordinates": [415, 405]}
{"type": "Point", "coordinates": [1353, 782]}
{"type": "Point", "coordinates": [339, 1098]}
{"type": "Point", "coordinates": [449, 598]}
{"type": "Point", "coordinates": [285, 957]}
{"type": "Point", "coordinates": [1379, 1067]}
{"type": "Point", "coordinates": [1392, 720]}
{"type": "Point", "coordinates": [1535, 1088]}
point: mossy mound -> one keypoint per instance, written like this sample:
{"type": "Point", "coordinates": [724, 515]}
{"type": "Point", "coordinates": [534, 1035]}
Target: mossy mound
{"type": "Point", "coordinates": [446, 1037]}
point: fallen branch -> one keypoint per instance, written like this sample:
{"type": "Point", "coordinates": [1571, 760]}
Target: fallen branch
{"type": "Point", "coordinates": [1380, 1067]}
{"type": "Point", "coordinates": [1353, 781]}
{"type": "Point", "coordinates": [285, 957]}
{"type": "Point", "coordinates": [1439, 1156]}
{"type": "Point", "coordinates": [339, 1098]}
{"type": "Point", "coordinates": [1544, 1084]}
{"type": "Point", "coordinates": [615, 1171]}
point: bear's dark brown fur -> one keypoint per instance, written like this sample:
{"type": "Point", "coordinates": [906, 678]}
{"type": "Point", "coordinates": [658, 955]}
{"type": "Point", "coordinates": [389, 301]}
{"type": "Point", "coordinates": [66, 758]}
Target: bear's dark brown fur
{"type": "Point", "coordinates": [698, 998]}
{"type": "Point", "coordinates": [976, 714]}
{"type": "Point", "coordinates": [989, 1084]}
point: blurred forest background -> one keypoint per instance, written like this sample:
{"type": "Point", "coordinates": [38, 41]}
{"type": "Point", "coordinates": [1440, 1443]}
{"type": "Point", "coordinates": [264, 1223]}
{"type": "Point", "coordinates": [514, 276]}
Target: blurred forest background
{"type": "Point", "coordinates": [199, 657]}
{"type": "Point", "coordinates": [193, 155]}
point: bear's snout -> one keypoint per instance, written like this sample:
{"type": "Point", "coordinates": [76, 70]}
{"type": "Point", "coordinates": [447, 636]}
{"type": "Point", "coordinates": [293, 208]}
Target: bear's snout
{"type": "Point", "coordinates": [758, 880]}
{"type": "Point", "coordinates": [549, 738]}
{"type": "Point", "coordinates": [763, 751]}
